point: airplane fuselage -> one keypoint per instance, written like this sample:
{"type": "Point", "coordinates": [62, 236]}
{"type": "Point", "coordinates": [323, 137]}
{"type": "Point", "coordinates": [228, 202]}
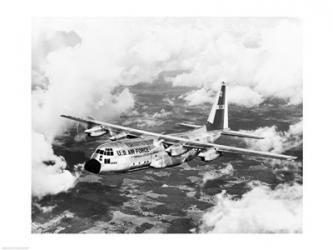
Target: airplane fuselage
{"type": "Point", "coordinates": [140, 153]}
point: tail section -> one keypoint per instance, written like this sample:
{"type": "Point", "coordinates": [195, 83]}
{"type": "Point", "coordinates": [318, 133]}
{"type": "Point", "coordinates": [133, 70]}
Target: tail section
{"type": "Point", "coordinates": [218, 117]}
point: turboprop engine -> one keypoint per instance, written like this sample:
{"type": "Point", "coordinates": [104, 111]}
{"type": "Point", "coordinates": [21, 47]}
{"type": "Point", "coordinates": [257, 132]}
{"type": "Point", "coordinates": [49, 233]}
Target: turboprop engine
{"type": "Point", "coordinates": [176, 149]}
{"type": "Point", "coordinates": [96, 131]}
{"type": "Point", "coordinates": [119, 136]}
{"type": "Point", "coordinates": [209, 154]}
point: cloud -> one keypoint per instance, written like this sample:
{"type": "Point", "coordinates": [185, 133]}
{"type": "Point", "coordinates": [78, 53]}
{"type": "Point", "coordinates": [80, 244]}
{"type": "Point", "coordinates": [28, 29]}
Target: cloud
{"type": "Point", "coordinates": [170, 101]}
{"type": "Point", "coordinates": [83, 60]}
{"type": "Point", "coordinates": [162, 114]}
{"type": "Point", "coordinates": [261, 210]}
{"type": "Point", "coordinates": [46, 124]}
{"type": "Point", "coordinates": [277, 141]}
{"type": "Point", "coordinates": [48, 170]}
{"type": "Point", "coordinates": [266, 59]}
{"type": "Point", "coordinates": [211, 175]}
{"type": "Point", "coordinates": [199, 96]}
{"type": "Point", "coordinates": [244, 95]}
{"type": "Point", "coordinates": [67, 79]}
{"type": "Point", "coordinates": [45, 209]}
{"type": "Point", "coordinates": [262, 53]}
{"type": "Point", "coordinates": [240, 95]}
{"type": "Point", "coordinates": [146, 119]}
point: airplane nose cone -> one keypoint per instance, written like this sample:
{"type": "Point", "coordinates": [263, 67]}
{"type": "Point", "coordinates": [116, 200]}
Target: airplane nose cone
{"type": "Point", "coordinates": [92, 166]}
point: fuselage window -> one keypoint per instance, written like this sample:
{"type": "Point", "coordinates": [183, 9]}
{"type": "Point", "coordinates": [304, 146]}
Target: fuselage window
{"type": "Point", "coordinates": [107, 161]}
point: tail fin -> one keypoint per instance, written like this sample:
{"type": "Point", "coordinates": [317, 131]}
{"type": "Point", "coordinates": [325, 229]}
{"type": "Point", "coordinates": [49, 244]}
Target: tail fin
{"type": "Point", "coordinates": [218, 117]}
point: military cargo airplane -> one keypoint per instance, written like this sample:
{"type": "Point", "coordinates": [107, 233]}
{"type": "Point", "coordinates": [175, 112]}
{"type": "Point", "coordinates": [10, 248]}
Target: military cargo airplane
{"type": "Point", "coordinates": [131, 149]}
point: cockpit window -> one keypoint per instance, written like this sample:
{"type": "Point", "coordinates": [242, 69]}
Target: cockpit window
{"type": "Point", "coordinates": [108, 151]}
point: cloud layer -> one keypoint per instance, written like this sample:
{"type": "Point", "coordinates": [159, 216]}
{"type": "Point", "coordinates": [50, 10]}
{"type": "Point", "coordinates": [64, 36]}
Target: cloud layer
{"type": "Point", "coordinates": [277, 141]}
{"type": "Point", "coordinates": [261, 210]}
{"type": "Point", "coordinates": [77, 63]}
{"type": "Point", "coordinates": [48, 170]}
{"type": "Point", "coordinates": [240, 95]}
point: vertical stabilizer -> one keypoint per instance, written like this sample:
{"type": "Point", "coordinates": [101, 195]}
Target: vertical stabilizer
{"type": "Point", "coordinates": [218, 116]}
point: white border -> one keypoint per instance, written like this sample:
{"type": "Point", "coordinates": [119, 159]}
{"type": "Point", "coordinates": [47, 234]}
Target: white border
{"type": "Point", "coordinates": [16, 125]}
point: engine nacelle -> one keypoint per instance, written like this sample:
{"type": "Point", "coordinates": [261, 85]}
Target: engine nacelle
{"type": "Point", "coordinates": [209, 155]}
{"type": "Point", "coordinates": [175, 150]}
{"type": "Point", "coordinates": [119, 136]}
{"type": "Point", "coordinates": [160, 161]}
{"type": "Point", "coordinates": [96, 131]}
{"type": "Point", "coordinates": [158, 164]}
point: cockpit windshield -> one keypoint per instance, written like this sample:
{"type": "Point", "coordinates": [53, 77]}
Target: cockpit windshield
{"type": "Point", "coordinates": [108, 151]}
{"type": "Point", "coordinates": [99, 151]}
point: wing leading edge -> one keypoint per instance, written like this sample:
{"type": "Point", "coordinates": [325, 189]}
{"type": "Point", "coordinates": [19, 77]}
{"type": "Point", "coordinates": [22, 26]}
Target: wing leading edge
{"type": "Point", "coordinates": [185, 142]}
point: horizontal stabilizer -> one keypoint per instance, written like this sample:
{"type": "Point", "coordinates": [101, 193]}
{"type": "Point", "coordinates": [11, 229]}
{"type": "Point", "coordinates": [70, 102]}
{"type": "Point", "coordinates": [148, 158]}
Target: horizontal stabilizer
{"type": "Point", "coordinates": [189, 125]}
{"type": "Point", "coordinates": [240, 134]}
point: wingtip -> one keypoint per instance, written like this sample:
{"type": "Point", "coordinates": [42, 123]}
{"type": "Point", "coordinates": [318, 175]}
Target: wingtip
{"type": "Point", "coordinates": [66, 116]}
{"type": "Point", "coordinates": [292, 158]}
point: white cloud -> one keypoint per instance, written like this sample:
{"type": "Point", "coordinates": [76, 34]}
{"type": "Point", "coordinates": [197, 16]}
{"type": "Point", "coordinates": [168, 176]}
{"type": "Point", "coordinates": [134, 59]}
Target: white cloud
{"type": "Point", "coordinates": [169, 101]}
{"type": "Point", "coordinates": [68, 77]}
{"type": "Point", "coordinates": [244, 95]}
{"type": "Point", "coordinates": [211, 175]}
{"type": "Point", "coordinates": [161, 115]}
{"type": "Point", "coordinates": [281, 72]}
{"type": "Point", "coordinates": [240, 95]}
{"type": "Point", "coordinates": [45, 209]}
{"type": "Point", "coordinates": [266, 59]}
{"type": "Point", "coordinates": [145, 119]}
{"type": "Point", "coordinates": [84, 59]}
{"type": "Point", "coordinates": [48, 170]}
{"type": "Point", "coordinates": [199, 96]}
{"type": "Point", "coordinates": [277, 141]}
{"type": "Point", "coordinates": [261, 210]}
{"type": "Point", "coordinates": [264, 54]}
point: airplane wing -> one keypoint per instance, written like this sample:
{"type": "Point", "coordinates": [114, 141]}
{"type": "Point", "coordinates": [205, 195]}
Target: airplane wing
{"type": "Point", "coordinates": [227, 132]}
{"type": "Point", "coordinates": [188, 125]}
{"type": "Point", "coordinates": [171, 139]}
{"type": "Point", "coordinates": [240, 134]}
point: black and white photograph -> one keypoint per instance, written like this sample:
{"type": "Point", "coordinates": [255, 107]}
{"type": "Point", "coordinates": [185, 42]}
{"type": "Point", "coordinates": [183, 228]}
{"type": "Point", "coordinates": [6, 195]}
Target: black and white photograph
{"type": "Point", "coordinates": [167, 125]}
{"type": "Point", "coordinates": [202, 124]}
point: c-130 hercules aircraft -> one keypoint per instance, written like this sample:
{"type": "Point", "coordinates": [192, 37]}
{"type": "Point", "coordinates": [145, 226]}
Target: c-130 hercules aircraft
{"type": "Point", "coordinates": [132, 149]}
